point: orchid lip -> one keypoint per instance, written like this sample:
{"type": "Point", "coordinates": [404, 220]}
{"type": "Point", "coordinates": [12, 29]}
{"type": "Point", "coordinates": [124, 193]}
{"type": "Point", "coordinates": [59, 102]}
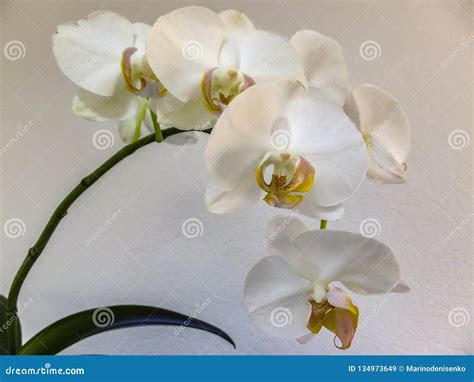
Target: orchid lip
{"type": "Point", "coordinates": [219, 86]}
{"type": "Point", "coordinates": [290, 174]}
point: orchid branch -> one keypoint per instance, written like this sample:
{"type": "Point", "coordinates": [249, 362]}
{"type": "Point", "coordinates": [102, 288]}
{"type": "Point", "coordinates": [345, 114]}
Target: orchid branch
{"type": "Point", "coordinates": [60, 212]}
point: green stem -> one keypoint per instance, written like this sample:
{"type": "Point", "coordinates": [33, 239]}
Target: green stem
{"type": "Point", "coordinates": [156, 125]}
{"type": "Point", "coordinates": [324, 224]}
{"type": "Point", "coordinates": [58, 214]}
{"type": "Point", "coordinates": [138, 123]}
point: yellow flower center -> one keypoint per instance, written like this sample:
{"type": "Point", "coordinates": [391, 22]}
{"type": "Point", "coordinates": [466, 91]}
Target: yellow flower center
{"type": "Point", "coordinates": [290, 174]}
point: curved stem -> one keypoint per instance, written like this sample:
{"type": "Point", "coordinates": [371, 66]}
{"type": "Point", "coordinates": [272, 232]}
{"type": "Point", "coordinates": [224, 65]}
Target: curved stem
{"type": "Point", "coordinates": [61, 211]}
{"type": "Point", "coordinates": [140, 114]}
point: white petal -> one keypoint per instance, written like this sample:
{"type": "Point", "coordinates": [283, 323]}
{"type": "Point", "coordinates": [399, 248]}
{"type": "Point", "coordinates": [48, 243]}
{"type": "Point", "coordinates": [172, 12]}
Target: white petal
{"type": "Point", "coordinates": [319, 126]}
{"type": "Point", "coordinates": [281, 231]}
{"type": "Point", "coordinates": [122, 105]}
{"type": "Point", "coordinates": [380, 115]}
{"type": "Point", "coordinates": [338, 176]}
{"type": "Point", "coordinates": [242, 135]}
{"type": "Point", "coordinates": [89, 52]}
{"type": "Point", "coordinates": [127, 130]}
{"type": "Point", "coordinates": [309, 208]}
{"type": "Point", "coordinates": [189, 115]}
{"type": "Point", "coordinates": [324, 64]}
{"type": "Point", "coordinates": [265, 56]}
{"type": "Point", "coordinates": [245, 194]}
{"type": "Point", "coordinates": [382, 165]}
{"type": "Point", "coordinates": [401, 287]}
{"type": "Point", "coordinates": [141, 32]}
{"type": "Point", "coordinates": [182, 45]}
{"type": "Point", "coordinates": [363, 265]}
{"type": "Point", "coordinates": [339, 298]}
{"type": "Point", "coordinates": [233, 19]}
{"type": "Point", "coordinates": [277, 298]}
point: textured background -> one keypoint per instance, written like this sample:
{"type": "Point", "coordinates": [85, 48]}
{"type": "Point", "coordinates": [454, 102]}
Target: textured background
{"type": "Point", "coordinates": [143, 256]}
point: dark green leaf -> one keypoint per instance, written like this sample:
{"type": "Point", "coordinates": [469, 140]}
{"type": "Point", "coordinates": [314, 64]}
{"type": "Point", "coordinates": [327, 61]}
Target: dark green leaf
{"type": "Point", "coordinates": [74, 328]}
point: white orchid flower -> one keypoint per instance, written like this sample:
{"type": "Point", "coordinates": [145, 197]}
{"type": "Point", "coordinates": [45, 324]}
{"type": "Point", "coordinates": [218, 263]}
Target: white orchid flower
{"type": "Point", "coordinates": [205, 60]}
{"type": "Point", "coordinates": [376, 113]}
{"type": "Point", "coordinates": [296, 152]}
{"type": "Point", "coordinates": [304, 285]}
{"type": "Point", "coordinates": [105, 56]}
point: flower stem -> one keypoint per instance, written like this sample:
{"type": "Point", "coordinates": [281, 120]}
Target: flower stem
{"type": "Point", "coordinates": [60, 212]}
{"type": "Point", "coordinates": [138, 123]}
{"type": "Point", "coordinates": [156, 125]}
{"type": "Point", "coordinates": [324, 224]}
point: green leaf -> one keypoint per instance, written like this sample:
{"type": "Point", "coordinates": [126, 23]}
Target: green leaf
{"type": "Point", "coordinates": [74, 328]}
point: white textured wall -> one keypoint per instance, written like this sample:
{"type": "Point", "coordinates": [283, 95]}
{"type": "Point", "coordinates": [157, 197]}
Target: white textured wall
{"type": "Point", "coordinates": [143, 256]}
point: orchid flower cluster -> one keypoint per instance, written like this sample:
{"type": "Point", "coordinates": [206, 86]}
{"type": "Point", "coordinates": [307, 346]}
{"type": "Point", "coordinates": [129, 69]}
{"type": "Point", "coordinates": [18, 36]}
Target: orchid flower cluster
{"type": "Point", "coordinates": [288, 132]}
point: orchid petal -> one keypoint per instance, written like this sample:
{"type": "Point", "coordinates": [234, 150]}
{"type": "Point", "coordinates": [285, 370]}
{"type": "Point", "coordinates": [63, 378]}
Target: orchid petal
{"type": "Point", "coordinates": [363, 265]}
{"type": "Point", "coordinates": [276, 298]}
{"type": "Point", "coordinates": [190, 115]}
{"type": "Point", "coordinates": [245, 194]}
{"type": "Point", "coordinates": [377, 114]}
{"type": "Point", "coordinates": [89, 52]}
{"type": "Point", "coordinates": [242, 135]}
{"type": "Point", "coordinates": [265, 56]}
{"type": "Point", "coordinates": [121, 106]}
{"type": "Point", "coordinates": [341, 299]}
{"type": "Point", "coordinates": [182, 45]}
{"type": "Point", "coordinates": [324, 64]}
{"type": "Point", "coordinates": [383, 167]}
{"type": "Point", "coordinates": [233, 19]}
{"type": "Point", "coordinates": [343, 323]}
